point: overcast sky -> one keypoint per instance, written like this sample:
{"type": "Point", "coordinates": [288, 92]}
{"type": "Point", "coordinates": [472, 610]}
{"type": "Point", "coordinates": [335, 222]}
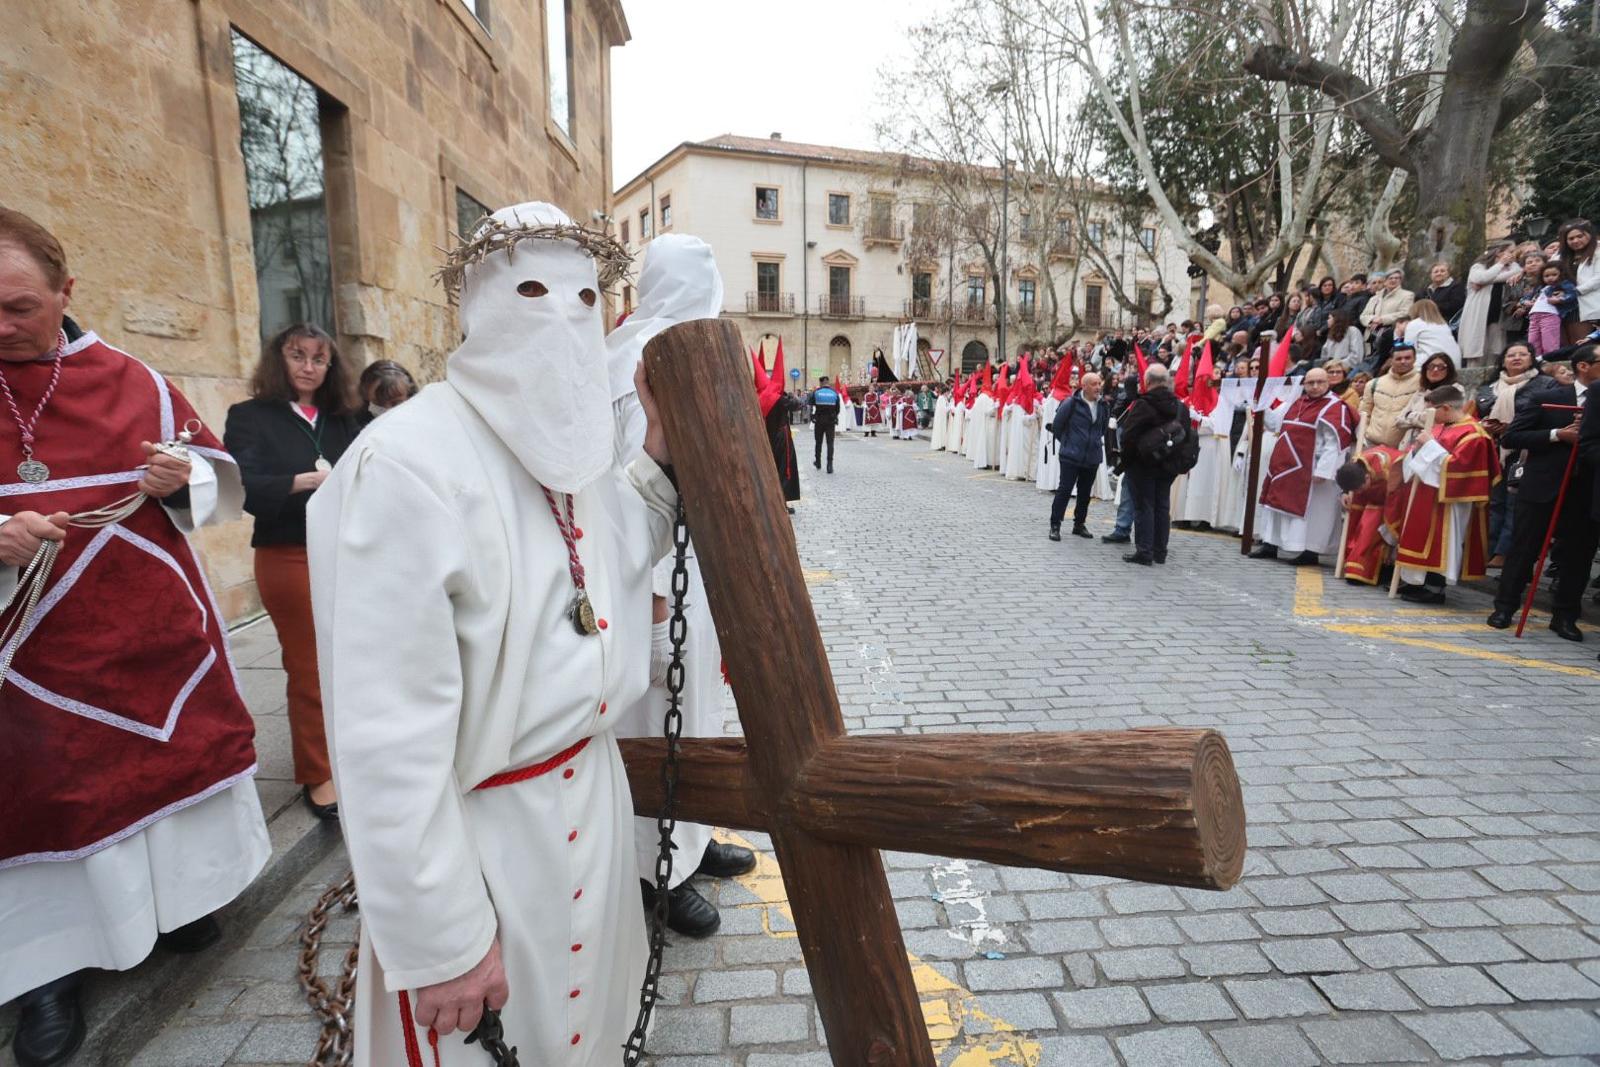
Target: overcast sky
{"type": "Point", "coordinates": [699, 68]}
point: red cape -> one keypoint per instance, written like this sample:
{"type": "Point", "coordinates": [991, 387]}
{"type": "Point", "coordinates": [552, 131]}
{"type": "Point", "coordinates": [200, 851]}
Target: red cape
{"type": "Point", "coordinates": [1468, 477]}
{"type": "Point", "coordinates": [1288, 484]}
{"type": "Point", "coordinates": [122, 705]}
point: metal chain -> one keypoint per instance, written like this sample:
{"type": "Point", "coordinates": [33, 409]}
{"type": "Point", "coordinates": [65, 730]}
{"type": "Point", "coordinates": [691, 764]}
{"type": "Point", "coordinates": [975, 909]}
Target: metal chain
{"type": "Point", "coordinates": [667, 819]}
{"type": "Point", "coordinates": [331, 1006]}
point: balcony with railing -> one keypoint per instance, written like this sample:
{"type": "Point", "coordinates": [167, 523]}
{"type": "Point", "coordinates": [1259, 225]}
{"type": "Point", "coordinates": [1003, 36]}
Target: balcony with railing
{"type": "Point", "coordinates": [841, 307]}
{"type": "Point", "coordinates": [974, 312]}
{"type": "Point", "coordinates": [769, 303]}
{"type": "Point", "coordinates": [884, 231]}
{"type": "Point", "coordinates": [1025, 312]}
{"type": "Point", "coordinates": [925, 309]}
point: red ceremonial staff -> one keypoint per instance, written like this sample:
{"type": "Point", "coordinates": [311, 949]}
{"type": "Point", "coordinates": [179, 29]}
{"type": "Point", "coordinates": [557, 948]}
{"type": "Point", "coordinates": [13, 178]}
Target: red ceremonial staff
{"type": "Point", "coordinates": [1555, 516]}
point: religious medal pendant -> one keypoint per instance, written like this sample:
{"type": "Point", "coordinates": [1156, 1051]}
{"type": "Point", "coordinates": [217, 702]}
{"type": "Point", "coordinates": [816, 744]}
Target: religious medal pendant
{"type": "Point", "coordinates": [32, 471]}
{"type": "Point", "coordinates": [323, 465]}
{"type": "Point", "coordinates": [582, 615]}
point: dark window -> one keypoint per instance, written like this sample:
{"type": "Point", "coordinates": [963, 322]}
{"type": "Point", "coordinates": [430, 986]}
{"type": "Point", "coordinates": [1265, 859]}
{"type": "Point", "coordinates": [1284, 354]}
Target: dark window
{"type": "Point", "coordinates": [1147, 237]}
{"type": "Point", "coordinates": [624, 231]}
{"type": "Point", "coordinates": [1097, 232]}
{"type": "Point", "coordinates": [922, 286]}
{"type": "Point", "coordinates": [666, 212]}
{"type": "Point", "coordinates": [839, 283]}
{"type": "Point", "coordinates": [1025, 295]}
{"type": "Point", "coordinates": [280, 135]}
{"type": "Point", "coordinates": [838, 209]}
{"type": "Point", "coordinates": [766, 202]}
{"type": "Point", "coordinates": [975, 290]}
{"type": "Point", "coordinates": [644, 224]}
{"type": "Point", "coordinates": [468, 212]}
{"type": "Point", "coordinates": [1091, 304]}
{"type": "Point", "coordinates": [768, 277]}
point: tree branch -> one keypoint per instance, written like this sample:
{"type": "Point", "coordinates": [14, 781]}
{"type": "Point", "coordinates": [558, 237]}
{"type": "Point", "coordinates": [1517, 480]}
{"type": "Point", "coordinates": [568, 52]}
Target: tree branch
{"type": "Point", "coordinates": [1273, 63]}
{"type": "Point", "coordinates": [1557, 53]}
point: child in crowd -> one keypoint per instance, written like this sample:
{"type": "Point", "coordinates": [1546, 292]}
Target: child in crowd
{"type": "Point", "coordinates": [1554, 303]}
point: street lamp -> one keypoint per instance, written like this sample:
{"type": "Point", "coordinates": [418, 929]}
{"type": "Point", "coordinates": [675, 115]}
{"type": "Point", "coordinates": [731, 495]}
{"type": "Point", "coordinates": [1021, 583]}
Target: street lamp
{"type": "Point", "coordinates": [1003, 89]}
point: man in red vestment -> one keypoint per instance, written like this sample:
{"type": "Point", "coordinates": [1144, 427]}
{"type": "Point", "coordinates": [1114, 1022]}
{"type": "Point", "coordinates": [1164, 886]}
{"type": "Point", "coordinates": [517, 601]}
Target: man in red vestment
{"type": "Point", "coordinates": [872, 404]}
{"type": "Point", "coordinates": [1452, 468]}
{"type": "Point", "coordinates": [1366, 481]}
{"type": "Point", "coordinates": [1299, 500]}
{"type": "Point", "coordinates": [128, 811]}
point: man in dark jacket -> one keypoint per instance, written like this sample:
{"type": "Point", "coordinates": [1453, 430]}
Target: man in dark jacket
{"type": "Point", "coordinates": [1079, 428]}
{"type": "Point", "coordinates": [1589, 450]}
{"type": "Point", "coordinates": [825, 403]}
{"type": "Point", "coordinates": [1150, 481]}
{"type": "Point", "coordinates": [1550, 435]}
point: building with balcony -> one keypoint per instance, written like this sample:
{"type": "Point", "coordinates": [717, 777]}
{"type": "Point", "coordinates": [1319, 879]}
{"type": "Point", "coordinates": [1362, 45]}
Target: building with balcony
{"type": "Point", "coordinates": [832, 248]}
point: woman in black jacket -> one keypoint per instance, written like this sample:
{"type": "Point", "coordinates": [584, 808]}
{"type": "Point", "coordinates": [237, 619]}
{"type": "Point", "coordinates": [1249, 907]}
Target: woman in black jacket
{"type": "Point", "coordinates": [286, 438]}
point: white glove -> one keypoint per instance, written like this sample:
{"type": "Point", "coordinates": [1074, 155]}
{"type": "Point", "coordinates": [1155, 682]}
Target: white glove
{"type": "Point", "coordinates": [660, 653]}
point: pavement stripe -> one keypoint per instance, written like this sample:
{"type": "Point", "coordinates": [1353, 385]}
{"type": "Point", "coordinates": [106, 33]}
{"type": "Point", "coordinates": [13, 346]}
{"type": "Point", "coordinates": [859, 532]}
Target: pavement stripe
{"type": "Point", "coordinates": [946, 1005]}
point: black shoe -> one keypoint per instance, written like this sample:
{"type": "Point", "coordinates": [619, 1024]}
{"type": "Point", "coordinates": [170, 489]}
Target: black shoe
{"type": "Point", "coordinates": [191, 937]}
{"type": "Point", "coordinates": [1161, 561]}
{"type": "Point", "coordinates": [791, 510]}
{"type": "Point", "coordinates": [1138, 557]}
{"type": "Point", "coordinates": [830, 466]}
{"type": "Point", "coordinates": [1500, 620]}
{"type": "Point", "coordinates": [817, 464]}
{"type": "Point", "coordinates": [1421, 594]}
{"type": "Point", "coordinates": [1114, 538]}
{"type": "Point", "coordinates": [50, 1027]}
{"type": "Point", "coordinates": [688, 913]}
{"type": "Point", "coordinates": [325, 812]}
{"type": "Point", "coordinates": [1266, 551]}
{"type": "Point", "coordinates": [1305, 559]}
{"type": "Point", "coordinates": [1566, 628]}
{"type": "Point", "coordinates": [726, 861]}
{"type": "Point", "coordinates": [1055, 533]}
{"type": "Point", "coordinates": [1082, 531]}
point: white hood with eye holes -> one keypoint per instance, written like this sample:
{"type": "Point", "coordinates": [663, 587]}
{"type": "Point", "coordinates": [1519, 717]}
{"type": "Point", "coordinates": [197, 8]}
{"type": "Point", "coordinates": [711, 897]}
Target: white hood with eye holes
{"type": "Point", "coordinates": [534, 367]}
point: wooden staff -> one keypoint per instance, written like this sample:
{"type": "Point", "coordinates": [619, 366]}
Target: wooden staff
{"type": "Point", "coordinates": [1555, 515]}
{"type": "Point", "coordinates": [1247, 531]}
{"type": "Point", "coordinates": [1344, 543]}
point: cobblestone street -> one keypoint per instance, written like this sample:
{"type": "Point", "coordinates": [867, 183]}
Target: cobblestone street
{"type": "Point", "coordinates": [1423, 793]}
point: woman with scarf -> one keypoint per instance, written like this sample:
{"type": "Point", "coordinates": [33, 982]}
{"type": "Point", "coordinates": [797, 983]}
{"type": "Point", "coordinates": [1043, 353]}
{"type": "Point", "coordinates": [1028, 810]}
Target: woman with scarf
{"type": "Point", "coordinates": [1496, 406]}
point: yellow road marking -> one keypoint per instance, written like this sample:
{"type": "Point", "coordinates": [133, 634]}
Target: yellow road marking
{"type": "Point", "coordinates": [813, 575]}
{"type": "Point", "coordinates": [1389, 633]}
{"type": "Point", "coordinates": [946, 1006]}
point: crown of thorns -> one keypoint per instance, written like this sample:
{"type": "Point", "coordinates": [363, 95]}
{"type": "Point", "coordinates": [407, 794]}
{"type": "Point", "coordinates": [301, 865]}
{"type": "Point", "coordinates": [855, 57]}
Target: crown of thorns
{"type": "Point", "coordinates": [491, 235]}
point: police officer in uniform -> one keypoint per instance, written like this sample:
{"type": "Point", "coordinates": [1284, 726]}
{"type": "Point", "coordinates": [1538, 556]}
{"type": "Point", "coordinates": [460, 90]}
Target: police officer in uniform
{"type": "Point", "coordinates": [824, 418]}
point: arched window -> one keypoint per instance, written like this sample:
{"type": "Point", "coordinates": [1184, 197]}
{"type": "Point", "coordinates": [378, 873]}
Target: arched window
{"type": "Point", "coordinates": [975, 355]}
{"type": "Point", "coordinates": [839, 358]}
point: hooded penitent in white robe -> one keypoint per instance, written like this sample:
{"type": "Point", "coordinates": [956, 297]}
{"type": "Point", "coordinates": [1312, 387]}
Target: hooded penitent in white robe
{"type": "Point", "coordinates": [980, 436]}
{"type": "Point", "coordinates": [1008, 417]}
{"type": "Point", "coordinates": [1047, 463]}
{"type": "Point", "coordinates": [940, 425]}
{"type": "Point", "coordinates": [955, 436]}
{"type": "Point", "coordinates": [443, 596]}
{"type": "Point", "coordinates": [1207, 493]}
{"type": "Point", "coordinates": [1318, 529]}
{"type": "Point", "coordinates": [1022, 454]}
{"type": "Point", "coordinates": [678, 282]}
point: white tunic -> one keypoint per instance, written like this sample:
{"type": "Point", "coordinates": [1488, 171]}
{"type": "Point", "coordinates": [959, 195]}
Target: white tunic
{"type": "Point", "coordinates": [940, 425]}
{"type": "Point", "coordinates": [1318, 529]}
{"type": "Point", "coordinates": [1008, 418]}
{"type": "Point", "coordinates": [1022, 453]}
{"type": "Point", "coordinates": [980, 421]}
{"type": "Point", "coordinates": [105, 909]}
{"type": "Point", "coordinates": [1047, 466]}
{"type": "Point", "coordinates": [441, 588]}
{"type": "Point", "coordinates": [955, 437]}
{"type": "Point", "coordinates": [1427, 463]}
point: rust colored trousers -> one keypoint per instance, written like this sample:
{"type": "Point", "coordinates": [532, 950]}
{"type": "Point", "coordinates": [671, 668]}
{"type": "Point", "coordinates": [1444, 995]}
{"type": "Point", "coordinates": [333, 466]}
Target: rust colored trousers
{"type": "Point", "coordinates": [284, 581]}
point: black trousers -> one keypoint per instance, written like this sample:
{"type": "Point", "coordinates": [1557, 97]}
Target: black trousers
{"type": "Point", "coordinates": [1152, 511]}
{"type": "Point", "coordinates": [822, 430]}
{"type": "Point", "coordinates": [1572, 551]}
{"type": "Point", "coordinates": [1073, 478]}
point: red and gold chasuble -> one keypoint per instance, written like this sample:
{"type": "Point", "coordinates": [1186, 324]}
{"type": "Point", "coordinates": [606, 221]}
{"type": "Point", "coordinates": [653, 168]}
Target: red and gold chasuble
{"type": "Point", "coordinates": [1288, 484]}
{"type": "Point", "coordinates": [1468, 475]}
{"type": "Point", "coordinates": [122, 705]}
{"type": "Point", "coordinates": [1372, 508]}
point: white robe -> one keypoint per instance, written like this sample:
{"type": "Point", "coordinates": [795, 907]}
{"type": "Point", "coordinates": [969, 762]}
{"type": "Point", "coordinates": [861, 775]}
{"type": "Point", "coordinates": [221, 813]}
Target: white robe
{"type": "Point", "coordinates": [956, 438]}
{"type": "Point", "coordinates": [105, 909]}
{"type": "Point", "coordinates": [1022, 450]}
{"type": "Point", "coordinates": [940, 427]}
{"type": "Point", "coordinates": [441, 588]}
{"type": "Point", "coordinates": [1008, 417]}
{"type": "Point", "coordinates": [1047, 464]}
{"type": "Point", "coordinates": [1427, 463]}
{"type": "Point", "coordinates": [980, 432]}
{"type": "Point", "coordinates": [1209, 480]}
{"type": "Point", "coordinates": [1318, 529]}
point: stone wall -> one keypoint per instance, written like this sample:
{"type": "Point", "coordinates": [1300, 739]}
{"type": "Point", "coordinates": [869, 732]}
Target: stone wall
{"type": "Point", "coordinates": [120, 131]}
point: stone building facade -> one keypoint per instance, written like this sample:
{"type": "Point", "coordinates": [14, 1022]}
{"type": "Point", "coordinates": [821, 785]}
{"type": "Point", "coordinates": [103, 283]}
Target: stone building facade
{"type": "Point", "coordinates": [218, 168]}
{"type": "Point", "coordinates": [831, 248]}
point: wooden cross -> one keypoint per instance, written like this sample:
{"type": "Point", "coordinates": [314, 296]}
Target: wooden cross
{"type": "Point", "coordinates": [1155, 805]}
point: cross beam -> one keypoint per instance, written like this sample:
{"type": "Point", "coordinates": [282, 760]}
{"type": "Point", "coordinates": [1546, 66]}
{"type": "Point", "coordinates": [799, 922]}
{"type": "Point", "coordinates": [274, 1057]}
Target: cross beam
{"type": "Point", "coordinates": [1156, 805]}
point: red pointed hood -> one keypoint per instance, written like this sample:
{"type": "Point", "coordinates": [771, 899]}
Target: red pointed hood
{"type": "Point", "coordinates": [1181, 376]}
{"type": "Point", "coordinates": [1061, 384]}
{"type": "Point", "coordinates": [769, 387]}
{"type": "Point", "coordinates": [1144, 364]}
{"type": "Point", "coordinates": [1278, 365]}
{"type": "Point", "coordinates": [1003, 389]}
{"type": "Point", "coordinates": [1203, 398]}
{"type": "Point", "coordinates": [1026, 393]}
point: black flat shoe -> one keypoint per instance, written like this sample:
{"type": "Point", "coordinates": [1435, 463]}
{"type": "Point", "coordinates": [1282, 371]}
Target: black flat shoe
{"type": "Point", "coordinates": [1265, 552]}
{"type": "Point", "coordinates": [726, 861]}
{"type": "Point", "coordinates": [1500, 620]}
{"type": "Point", "coordinates": [50, 1027]}
{"type": "Point", "coordinates": [1306, 559]}
{"type": "Point", "coordinates": [1141, 560]}
{"type": "Point", "coordinates": [1161, 561]}
{"type": "Point", "coordinates": [191, 937]}
{"type": "Point", "coordinates": [1115, 538]}
{"type": "Point", "coordinates": [1055, 533]}
{"type": "Point", "coordinates": [1082, 531]}
{"type": "Point", "coordinates": [688, 913]}
{"type": "Point", "coordinates": [1421, 594]}
{"type": "Point", "coordinates": [1567, 629]}
{"type": "Point", "coordinates": [325, 812]}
